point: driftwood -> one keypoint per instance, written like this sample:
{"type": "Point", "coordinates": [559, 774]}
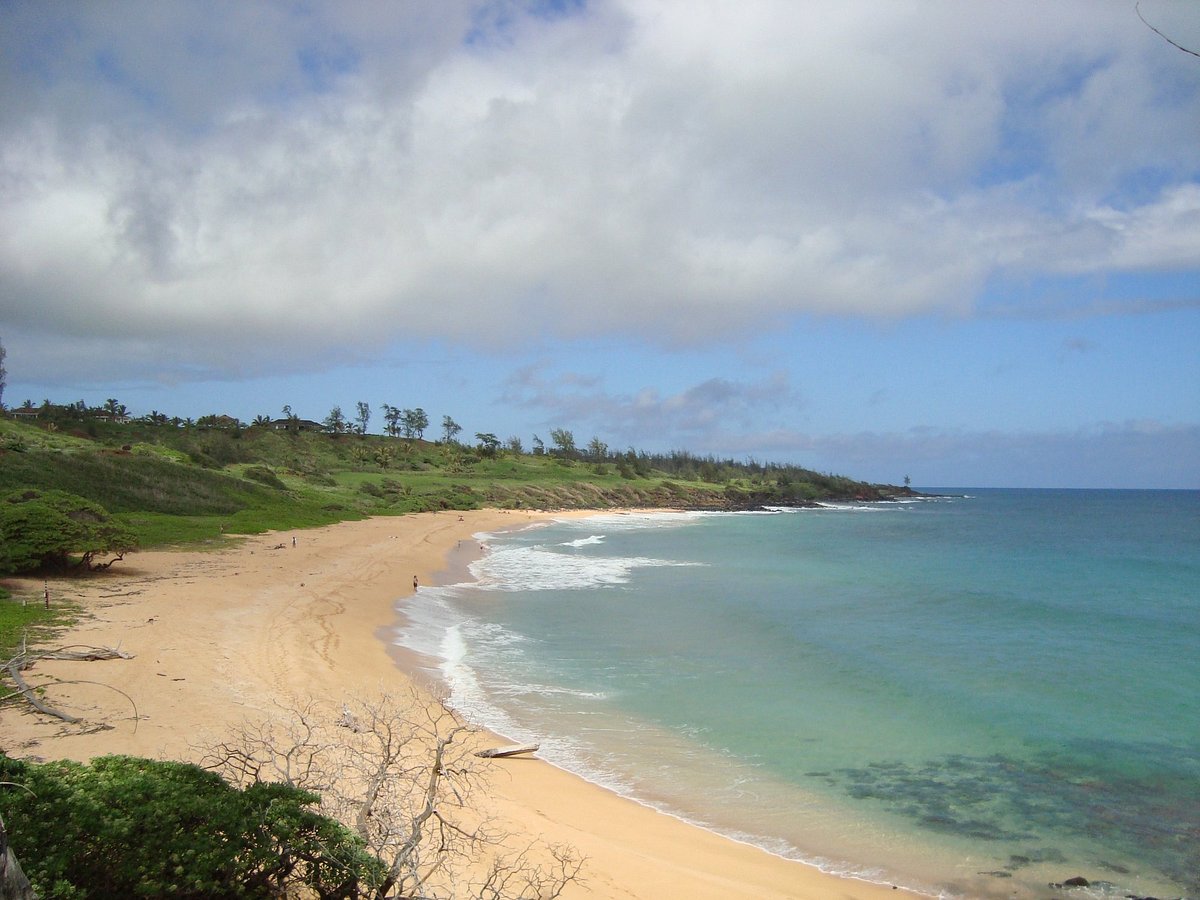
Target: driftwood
{"type": "Point", "coordinates": [14, 672]}
{"type": "Point", "coordinates": [26, 660]}
{"type": "Point", "coordinates": [511, 750]}
{"type": "Point", "coordinates": [83, 654]}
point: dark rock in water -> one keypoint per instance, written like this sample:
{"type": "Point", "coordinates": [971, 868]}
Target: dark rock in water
{"type": "Point", "coordinates": [1077, 881]}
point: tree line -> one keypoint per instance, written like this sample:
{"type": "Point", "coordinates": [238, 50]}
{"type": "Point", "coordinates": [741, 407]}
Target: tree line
{"type": "Point", "coordinates": [413, 423]}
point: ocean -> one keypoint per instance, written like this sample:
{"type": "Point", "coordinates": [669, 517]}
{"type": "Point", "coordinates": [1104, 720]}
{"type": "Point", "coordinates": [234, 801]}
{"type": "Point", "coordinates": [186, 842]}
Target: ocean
{"type": "Point", "coordinates": [970, 695]}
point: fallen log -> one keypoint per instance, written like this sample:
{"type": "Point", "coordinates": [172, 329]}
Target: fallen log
{"type": "Point", "coordinates": [14, 672]}
{"type": "Point", "coordinates": [75, 652]}
{"type": "Point", "coordinates": [510, 750]}
{"type": "Point", "coordinates": [84, 654]}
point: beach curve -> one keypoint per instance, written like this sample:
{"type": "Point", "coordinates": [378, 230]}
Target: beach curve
{"type": "Point", "coordinates": [222, 636]}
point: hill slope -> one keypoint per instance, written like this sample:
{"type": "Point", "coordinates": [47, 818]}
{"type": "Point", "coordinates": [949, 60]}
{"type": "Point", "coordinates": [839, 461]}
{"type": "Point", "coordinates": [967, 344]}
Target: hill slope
{"type": "Point", "coordinates": [174, 483]}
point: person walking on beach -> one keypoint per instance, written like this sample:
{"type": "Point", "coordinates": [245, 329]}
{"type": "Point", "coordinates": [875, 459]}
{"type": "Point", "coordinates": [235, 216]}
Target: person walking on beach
{"type": "Point", "coordinates": [414, 582]}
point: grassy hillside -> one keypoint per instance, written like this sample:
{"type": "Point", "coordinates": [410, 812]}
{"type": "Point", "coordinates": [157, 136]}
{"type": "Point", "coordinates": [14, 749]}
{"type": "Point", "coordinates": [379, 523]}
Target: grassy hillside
{"type": "Point", "coordinates": [173, 484]}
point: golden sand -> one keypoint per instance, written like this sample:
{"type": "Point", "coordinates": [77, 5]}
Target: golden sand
{"type": "Point", "coordinates": [222, 636]}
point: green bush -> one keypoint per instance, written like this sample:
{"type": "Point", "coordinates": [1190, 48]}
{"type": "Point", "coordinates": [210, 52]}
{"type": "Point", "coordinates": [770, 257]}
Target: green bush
{"type": "Point", "coordinates": [128, 827]}
{"type": "Point", "coordinates": [263, 475]}
{"type": "Point", "coordinates": [44, 529]}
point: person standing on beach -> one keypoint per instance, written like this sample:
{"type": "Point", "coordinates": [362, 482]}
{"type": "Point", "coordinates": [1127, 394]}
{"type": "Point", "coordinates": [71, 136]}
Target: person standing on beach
{"type": "Point", "coordinates": [414, 582]}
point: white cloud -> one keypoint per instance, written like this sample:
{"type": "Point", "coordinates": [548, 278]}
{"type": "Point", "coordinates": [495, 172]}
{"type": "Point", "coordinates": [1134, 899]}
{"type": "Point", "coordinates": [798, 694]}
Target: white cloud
{"type": "Point", "coordinates": [700, 415]}
{"type": "Point", "coordinates": [679, 171]}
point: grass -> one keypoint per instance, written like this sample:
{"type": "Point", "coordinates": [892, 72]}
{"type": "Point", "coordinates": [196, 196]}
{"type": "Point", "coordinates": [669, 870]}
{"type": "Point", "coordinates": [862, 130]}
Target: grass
{"type": "Point", "coordinates": [175, 485]}
{"type": "Point", "coordinates": [20, 621]}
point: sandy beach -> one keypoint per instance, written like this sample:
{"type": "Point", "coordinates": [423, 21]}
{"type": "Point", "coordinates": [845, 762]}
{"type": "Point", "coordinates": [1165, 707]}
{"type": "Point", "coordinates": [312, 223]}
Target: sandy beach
{"type": "Point", "coordinates": [221, 636]}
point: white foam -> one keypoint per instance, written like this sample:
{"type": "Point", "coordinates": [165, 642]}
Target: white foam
{"type": "Point", "coordinates": [435, 627]}
{"type": "Point", "coordinates": [588, 541]}
{"type": "Point", "coordinates": [539, 568]}
{"type": "Point", "coordinates": [635, 521]}
{"type": "Point", "coordinates": [856, 507]}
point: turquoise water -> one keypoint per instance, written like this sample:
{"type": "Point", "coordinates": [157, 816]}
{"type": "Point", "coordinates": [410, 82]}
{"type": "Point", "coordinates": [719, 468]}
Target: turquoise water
{"type": "Point", "coordinates": [971, 696]}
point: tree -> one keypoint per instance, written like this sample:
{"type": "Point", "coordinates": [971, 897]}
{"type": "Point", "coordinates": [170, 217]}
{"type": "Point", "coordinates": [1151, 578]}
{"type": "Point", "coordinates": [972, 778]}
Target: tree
{"type": "Point", "coordinates": [539, 446]}
{"type": "Point", "coordinates": [44, 529]}
{"type": "Point", "coordinates": [514, 445]}
{"type": "Point", "coordinates": [363, 417]}
{"type": "Point", "coordinates": [3, 375]}
{"type": "Point", "coordinates": [391, 418]}
{"type": "Point", "coordinates": [384, 454]}
{"type": "Point", "coordinates": [564, 441]}
{"type": "Point", "coordinates": [293, 420]}
{"type": "Point", "coordinates": [335, 421]}
{"type": "Point", "coordinates": [400, 773]}
{"type": "Point", "coordinates": [597, 449]}
{"type": "Point", "coordinates": [488, 443]}
{"type": "Point", "coordinates": [261, 421]}
{"type": "Point", "coordinates": [128, 827]}
{"type": "Point", "coordinates": [450, 429]}
{"type": "Point", "coordinates": [415, 422]}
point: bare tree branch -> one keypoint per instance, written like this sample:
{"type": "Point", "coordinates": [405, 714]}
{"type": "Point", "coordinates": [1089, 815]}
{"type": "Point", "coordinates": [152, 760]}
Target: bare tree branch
{"type": "Point", "coordinates": [400, 773]}
{"type": "Point", "coordinates": [1138, 9]}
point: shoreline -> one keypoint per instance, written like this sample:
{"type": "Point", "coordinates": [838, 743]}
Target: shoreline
{"type": "Point", "coordinates": [219, 636]}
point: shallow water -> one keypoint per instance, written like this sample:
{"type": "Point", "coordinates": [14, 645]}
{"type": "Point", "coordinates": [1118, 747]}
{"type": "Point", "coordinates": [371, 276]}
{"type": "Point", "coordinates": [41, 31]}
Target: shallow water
{"type": "Point", "coordinates": [971, 695]}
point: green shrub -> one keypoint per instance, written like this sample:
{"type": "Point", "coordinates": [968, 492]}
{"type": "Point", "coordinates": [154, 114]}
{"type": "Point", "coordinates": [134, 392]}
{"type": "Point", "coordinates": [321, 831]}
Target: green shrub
{"type": "Point", "coordinates": [44, 529]}
{"type": "Point", "coordinates": [263, 475]}
{"type": "Point", "coordinates": [128, 827]}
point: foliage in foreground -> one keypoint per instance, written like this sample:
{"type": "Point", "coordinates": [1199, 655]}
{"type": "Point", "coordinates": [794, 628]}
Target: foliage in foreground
{"type": "Point", "coordinates": [374, 801]}
{"type": "Point", "coordinates": [128, 827]}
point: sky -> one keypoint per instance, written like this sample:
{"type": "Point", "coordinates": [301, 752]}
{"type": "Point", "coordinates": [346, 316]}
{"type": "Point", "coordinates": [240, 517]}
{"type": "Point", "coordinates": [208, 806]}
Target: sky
{"type": "Point", "coordinates": [958, 242]}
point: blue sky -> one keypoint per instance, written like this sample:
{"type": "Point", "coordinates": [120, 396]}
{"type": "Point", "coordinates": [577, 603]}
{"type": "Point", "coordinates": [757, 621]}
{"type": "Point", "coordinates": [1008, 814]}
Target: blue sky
{"type": "Point", "coordinates": [959, 242]}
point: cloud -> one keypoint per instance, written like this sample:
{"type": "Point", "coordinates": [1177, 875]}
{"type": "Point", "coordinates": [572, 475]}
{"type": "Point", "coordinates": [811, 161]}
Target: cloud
{"type": "Point", "coordinates": [697, 416]}
{"type": "Point", "coordinates": [741, 419]}
{"type": "Point", "coordinates": [255, 188]}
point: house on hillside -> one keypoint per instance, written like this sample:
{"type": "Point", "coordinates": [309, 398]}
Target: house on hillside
{"type": "Point", "coordinates": [24, 413]}
{"type": "Point", "coordinates": [298, 424]}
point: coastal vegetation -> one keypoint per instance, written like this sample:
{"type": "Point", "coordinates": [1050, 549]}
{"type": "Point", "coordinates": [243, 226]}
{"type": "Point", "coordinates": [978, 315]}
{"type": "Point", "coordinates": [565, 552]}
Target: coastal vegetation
{"type": "Point", "coordinates": [128, 827]}
{"type": "Point", "coordinates": [375, 805]}
{"type": "Point", "coordinates": [102, 483]}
